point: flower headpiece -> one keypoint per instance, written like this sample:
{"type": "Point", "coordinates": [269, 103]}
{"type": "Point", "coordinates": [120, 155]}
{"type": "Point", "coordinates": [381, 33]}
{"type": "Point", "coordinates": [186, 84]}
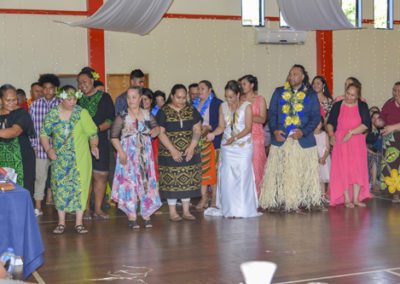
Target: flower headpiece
{"type": "Point", "coordinates": [95, 75]}
{"type": "Point", "coordinates": [63, 94]}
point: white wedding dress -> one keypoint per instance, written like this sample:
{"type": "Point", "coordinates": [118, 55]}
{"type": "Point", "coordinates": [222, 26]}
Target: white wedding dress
{"type": "Point", "coordinates": [236, 188]}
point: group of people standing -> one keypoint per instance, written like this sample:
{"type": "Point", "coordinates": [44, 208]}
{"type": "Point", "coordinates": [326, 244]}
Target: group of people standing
{"type": "Point", "coordinates": [195, 145]}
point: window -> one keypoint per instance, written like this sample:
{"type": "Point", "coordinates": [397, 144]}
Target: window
{"type": "Point", "coordinates": [282, 22]}
{"type": "Point", "coordinates": [383, 14]}
{"type": "Point", "coordinates": [253, 13]}
{"type": "Point", "coordinates": [352, 9]}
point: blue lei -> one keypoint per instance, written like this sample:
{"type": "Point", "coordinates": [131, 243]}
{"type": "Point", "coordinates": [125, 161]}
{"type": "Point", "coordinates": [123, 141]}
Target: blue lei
{"type": "Point", "coordinates": [155, 110]}
{"type": "Point", "coordinates": [204, 107]}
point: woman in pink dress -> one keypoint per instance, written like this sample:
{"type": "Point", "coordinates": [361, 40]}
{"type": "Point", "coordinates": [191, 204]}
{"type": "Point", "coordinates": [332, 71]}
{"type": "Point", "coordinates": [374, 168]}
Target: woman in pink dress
{"type": "Point", "coordinates": [347, 123]}
{"type": "Point", "coordinates": [249, 85]}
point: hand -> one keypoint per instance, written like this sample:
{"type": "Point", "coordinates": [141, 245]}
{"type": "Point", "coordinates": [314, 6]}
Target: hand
{"type": "Point", "coordinates": [3, 272]}
{"type": "Point", "coordinates": [210, 137]}
{"type": "Point", "coordinates": [123, 158]}
{"type": "Point", "coordinates": [279, 135]}
{"type": "Point", "coordinates": [297, 134]}
{"type": "Point", "coordinates": [189, 152]}
{"type": "Point", "coordinates": [205, 129]}
{"type": "Point", "coordinates": [230, 141]}
{"type": "Point", "coordinates": [154, 132]}
{"type": "Point", "coordinates": [347, 136]}
{"type": "Point", "coordinates": [387, 130]}
{"type": "Point", "coordinates": [176, 155]}
{"type": "Point", "coordinates": [51, 153]}
{"type": "Point", "coordinates": [95, 152]}
{"type": "Point", "coordinates": [321, 161]}
{"type": "Point", "coordinates": [332, 140]}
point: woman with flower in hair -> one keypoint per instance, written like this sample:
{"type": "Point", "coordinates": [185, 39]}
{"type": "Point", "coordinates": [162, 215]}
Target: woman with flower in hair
{"type": "Point", "coordinates": [101, 108]}
{"type": "Point", "coordinates": [291, 179]}
{"type": "Point", "coordinates": [72, 131]}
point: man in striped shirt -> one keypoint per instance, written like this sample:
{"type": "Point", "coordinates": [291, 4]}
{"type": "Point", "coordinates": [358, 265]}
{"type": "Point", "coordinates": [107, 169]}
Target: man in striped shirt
{"type": "Point", "coordinates": [38, 110]}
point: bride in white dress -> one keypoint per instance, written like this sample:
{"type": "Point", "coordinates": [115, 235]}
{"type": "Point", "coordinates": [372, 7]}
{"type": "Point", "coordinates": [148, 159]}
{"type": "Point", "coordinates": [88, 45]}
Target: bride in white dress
{"type": "Point", "coordinates": [236, 189]}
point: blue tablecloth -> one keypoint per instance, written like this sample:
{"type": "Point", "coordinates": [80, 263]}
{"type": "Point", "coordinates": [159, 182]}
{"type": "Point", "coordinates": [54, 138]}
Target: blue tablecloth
{"type": "Point", "coordinates": [19, 228]}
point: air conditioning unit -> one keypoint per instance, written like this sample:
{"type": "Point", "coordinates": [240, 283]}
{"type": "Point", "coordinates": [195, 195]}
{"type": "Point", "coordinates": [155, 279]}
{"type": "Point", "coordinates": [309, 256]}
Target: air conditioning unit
{"type": "Point", "coordinates": [288, 36]}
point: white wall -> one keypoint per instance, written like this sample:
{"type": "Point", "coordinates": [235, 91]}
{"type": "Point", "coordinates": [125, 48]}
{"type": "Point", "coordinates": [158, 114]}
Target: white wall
{"type": "Point", "coordinates": [186, 51]}
{"type": "Point", "coordinates": [373, 56]}
{"type": "Point", "coordinates": [32, 45]}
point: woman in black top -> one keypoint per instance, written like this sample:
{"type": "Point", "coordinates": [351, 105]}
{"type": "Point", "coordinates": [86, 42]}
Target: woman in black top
{"type": "Point", "coordinates": [101, 108]}
{"type": "Point", "coordinates": [16, 127]}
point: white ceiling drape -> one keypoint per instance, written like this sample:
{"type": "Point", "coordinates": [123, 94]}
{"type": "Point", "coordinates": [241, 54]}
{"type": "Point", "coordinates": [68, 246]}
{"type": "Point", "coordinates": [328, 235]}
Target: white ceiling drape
{"type": "Point", "coordinates": [132, 16]}
{"type": "Point", "coordinates": [310, 15]}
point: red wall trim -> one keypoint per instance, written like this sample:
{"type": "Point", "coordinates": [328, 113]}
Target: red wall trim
{"type": "Point", "coordinates": [211, 17]}
{"type": "Point", "coordinates": [96, 43]}
{"type": "Point", "coordinates": [371, 21]}
{"type": "Point", "coordinates": [44, 12]}
{"type": "Point", "coordinates": [324, 41]}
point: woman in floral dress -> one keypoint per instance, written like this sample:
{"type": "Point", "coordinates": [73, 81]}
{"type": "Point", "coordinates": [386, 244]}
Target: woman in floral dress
{"type": "Point", "coordinates": [71, 129]}
{"type": "Point", "coordinates": [135, 176]}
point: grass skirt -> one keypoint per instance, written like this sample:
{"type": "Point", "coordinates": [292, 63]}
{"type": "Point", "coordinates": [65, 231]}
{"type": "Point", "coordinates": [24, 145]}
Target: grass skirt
{"type": "Point", "coordinates": [291, 178]}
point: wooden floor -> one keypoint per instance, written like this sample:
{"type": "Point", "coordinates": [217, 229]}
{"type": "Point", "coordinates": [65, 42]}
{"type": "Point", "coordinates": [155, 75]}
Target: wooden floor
{"type": "Point", "coordinates": [359, 245]}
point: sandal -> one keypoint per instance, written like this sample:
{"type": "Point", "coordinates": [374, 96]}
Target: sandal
{"type": "Point", "coordinates": [101, 216]}
{"type": "Point", "coordinates": [360, 204]}
{"type": "Point", "coordinates": [147, 224]}
{"type": "Point", "coordinates": [59, 229]}
{"type": "Point", "coordinates": [80, 229]}
{"type": "Point", "coordinates": [349, 205]}
{"type": "Point", "coordinates": [87, 215]}
{"type": "Point", "coordinates": [133, 224]}
{"type": "Point", "coordinates": [189, 217]}
{"type": "Point", "coordinates": [176, 218]}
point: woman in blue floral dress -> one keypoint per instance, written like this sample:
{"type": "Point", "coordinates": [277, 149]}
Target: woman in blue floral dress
{"type": "Point", "coordinates": [135, 176]}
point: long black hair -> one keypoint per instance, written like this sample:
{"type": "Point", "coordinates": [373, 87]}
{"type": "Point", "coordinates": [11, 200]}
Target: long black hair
{"type": "Point", "coordinates": [306, 80]}
{"type": "Point", "coordinates": [175, 88]}
{"type": "Point", "coordinates": [325, 89]}
{"type": "Point", "coordinates": [252, 80]}
{"type": "Point", "coordinates": [209, 85]}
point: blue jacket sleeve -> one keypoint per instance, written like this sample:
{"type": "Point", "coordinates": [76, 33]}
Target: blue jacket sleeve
{"type": "Point", "coordinates": [273, 112]}
{"type": "Point", "coordinates": [315, 115]}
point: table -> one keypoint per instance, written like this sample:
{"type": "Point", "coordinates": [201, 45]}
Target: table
{"type": "Point", "coordinates": [19, 228]}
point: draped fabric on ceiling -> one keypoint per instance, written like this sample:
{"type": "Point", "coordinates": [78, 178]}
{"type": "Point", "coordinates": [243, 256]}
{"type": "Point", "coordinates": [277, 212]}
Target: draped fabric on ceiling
{"type": "Point", "coordinates": [132, 16]}
{"type": "Point", "coordinates": [310, 15]}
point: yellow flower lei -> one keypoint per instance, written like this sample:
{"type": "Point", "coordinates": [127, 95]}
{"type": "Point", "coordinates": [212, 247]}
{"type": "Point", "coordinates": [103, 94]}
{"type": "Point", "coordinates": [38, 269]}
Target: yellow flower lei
{"type": "Point", "coordinates": [293, 105]}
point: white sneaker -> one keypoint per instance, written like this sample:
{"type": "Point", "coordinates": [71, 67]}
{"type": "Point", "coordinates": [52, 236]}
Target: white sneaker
{"type": "Point", "coordinates": [38, 212]}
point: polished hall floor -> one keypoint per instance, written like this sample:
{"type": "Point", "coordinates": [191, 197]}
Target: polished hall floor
{"type": "Point", "coordinates": [360, 245]}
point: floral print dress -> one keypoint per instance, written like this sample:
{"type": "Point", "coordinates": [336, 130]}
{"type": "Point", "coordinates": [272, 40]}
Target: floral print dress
{"type": "Point", "coordinates": [136, 180]}
{"type": "Point", "coordinates": [71, 172]}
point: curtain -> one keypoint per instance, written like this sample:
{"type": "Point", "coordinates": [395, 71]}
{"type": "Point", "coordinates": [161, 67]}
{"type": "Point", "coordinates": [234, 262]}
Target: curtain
{"type": "Point", "coordinates": [310, 15]}
{"type": "Point", "coordinates": [132, 16]}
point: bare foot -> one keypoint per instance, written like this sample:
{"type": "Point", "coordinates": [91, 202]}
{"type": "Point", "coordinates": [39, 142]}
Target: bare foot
{"type": "Point", "coordinates": [349, 205]}
{"type": "Point", "coordinates": [360, 204]}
